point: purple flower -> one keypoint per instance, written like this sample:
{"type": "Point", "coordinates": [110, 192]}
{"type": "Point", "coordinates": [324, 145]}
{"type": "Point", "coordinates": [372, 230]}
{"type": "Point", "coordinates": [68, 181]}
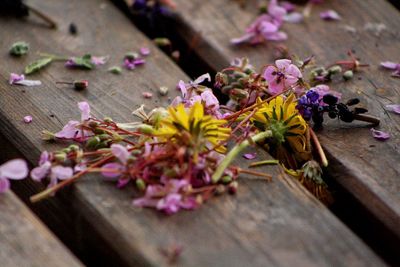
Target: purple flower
{"type": "Point", "coordinates": [329, 15]}
{"type": "Point", "coordinates": [16, 79]}
{"type": "Point", "coordinates": [380, 135]}
{"type": "Point", "coordinates": [28, 119]}
{"type": "Point", "coordinates": [59, 173]}
{"type": "Point", "coordinates": [15, 169]}
{"type": "Point", "coordinates": [281, 76]}
{"type": "Point", "coordinates": [392, 66]}
{"type": "Point", "coordinates": [394, 108]}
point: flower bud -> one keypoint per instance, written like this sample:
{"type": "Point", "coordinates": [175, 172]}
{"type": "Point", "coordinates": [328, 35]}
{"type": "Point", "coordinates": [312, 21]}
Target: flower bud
{"type": "Point", "coordinates": [219, 190]}
{"type": "Point", "coordinates": [226, 179]}
{"type": "Point", "coordinates": [107, 120]}
{"type": "Point", "coordinates": [163, 90]}
{"type": "Point", "coordinates": [60, 157]}
{"type": "Point", "coordinates": [233, 187]}
{"type": "Point", "coordinates": [140, 184]}
{"type": "Point", "coordinates": [74, 147]}
{"type": "Point", "coordinates": [115, 70]}
{"type": "Point", "coordinates": [93, 142]}
{"type": "Point", "coordinates": [131, 55]}
{"type": "Point", "coordinates": [348, 75]}
{"type": "Point", "coordinates": [221, 78]}
{"type": "Point", "coordinates": [146, 129]}
{"type": "Point", "coordinates": [238, 94]}
{"type": "Point", "coordinates": [162, 41]}
{"type": "Point", "coordinates": [81, 85]}
{"type": "Point", "coordinates": [335, 69]}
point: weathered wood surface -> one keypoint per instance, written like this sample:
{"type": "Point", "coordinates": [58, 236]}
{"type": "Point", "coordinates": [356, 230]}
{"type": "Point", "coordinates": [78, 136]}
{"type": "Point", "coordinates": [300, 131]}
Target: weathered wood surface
{"type": "Point", "coordinates": [265, 224]}
{"type": "Point", "coordinates": [369, 169]}
{"type": "Point", "coordinates": [25, 241]}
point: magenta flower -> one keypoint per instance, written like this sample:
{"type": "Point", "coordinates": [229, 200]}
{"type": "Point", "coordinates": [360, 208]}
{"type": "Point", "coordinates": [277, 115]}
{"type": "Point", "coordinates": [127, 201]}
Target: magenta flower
{"type": "Point", "coordinates": [392, 66]}
{"type": "Point", "coordinates": [281, 76]}
{"type": "Point", "coordinates": [15, 169]}
{"type": "Point", "coordinates": [394, 108]}
{"type": "Point", "coordinates": [16, 79]}
{"type": "Point", "coordinates": [380, 135]}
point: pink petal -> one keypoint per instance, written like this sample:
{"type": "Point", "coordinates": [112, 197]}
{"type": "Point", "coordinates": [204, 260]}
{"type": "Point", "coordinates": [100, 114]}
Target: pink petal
{"type": "Point", "coordinates": [145, 51]}
{"type": "Point", "coordinates": [209, 98]}
{"type": "Point", "coordinates": [276, 36]}
{"type": "Point", "coordinates": [390, 65]}
{"type": "Point", "coordinates": [294, 71]}
{"type": "Point", "coordinates": [267, 27]}
{"type": "Point", "coordinates": [69, 131]}
{"type": "Point", "coordinates": [28, 119]}
{"type": "Point", "coordinates": [85, 110]}
{"type": "Point", "coordinates": [202, 78]}
{"type": "Point", "coordinates": [329, 15]}
{"type": "Point", "coordinates": [40, 172]}
{"type": "Point", "coordinates": [44, 157]}
{"type": "Point", "coordinates": [394, 108]}
{"type": "Point", "coordinates": [294, 17]}
{"type": "Point", "coordinates": [147, 95]}
{"type": "Point", "coordinates": [250, 155]}
{"type": "Point", "coordinates": [242, 39]}
{"type": "Point", "coordinates": [15, 169]}
{"type": "Point", "coordinates": [139, 61]}
{"type": "Point", "coordinates": [16, 78]}
{"type": "Point", "coordinates": [120, 152]}
{"type": "Point", "coordinates": [4, 185]}
{"type": "Point", "coordinates": [116, 167]}
{"type": "Point", "coordinates": [268, 73]}
{"type": "Point", "coordinates": [289, 7]}
{"type": "Point", "coordinates": [182, 87]}
{"type": "Point", "coordinates": [61, 172]}
{"type": "Point", "coordinates": [380, 135]}
{"type": "Point", "coordinates": [283, 63]}
{"type": "Point", "coordinates": [99, 60]}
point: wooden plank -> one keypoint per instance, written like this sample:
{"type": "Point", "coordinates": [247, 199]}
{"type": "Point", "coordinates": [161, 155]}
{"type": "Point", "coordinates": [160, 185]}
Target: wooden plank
{"type": "Point", "coordinates": [276, 223]}
{"type": "Point", "coordinates": [365, 167]}
{"type": "Point", "coordinates": [25, 241]}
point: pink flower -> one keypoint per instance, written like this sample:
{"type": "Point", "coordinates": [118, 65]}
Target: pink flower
{"type": "Point", "coordinates": [15, 169]}
{"type": "Point", "coordinates": [380, 135]}
{"type": "Point", "coordinates": [394, 108]}
{"type": "Point", "coordinates": [71, 130]}
{"type": "Point", "coordinates": [392, 66]}
{"type": "Point", "coordinates": [28, 119]}
{"type": "Point", "coordinates": [281, 76]}
{"type": "Point", "coordinates": [329, 15]}
{"type": "Point", "coordinates": [190, 96]}
{"type": "Point", "coordinates": [20, 80]}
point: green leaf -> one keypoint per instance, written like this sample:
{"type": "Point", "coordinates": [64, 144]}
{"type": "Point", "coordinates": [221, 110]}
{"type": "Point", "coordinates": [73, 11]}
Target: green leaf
{"type": "Point", "coordinates": [84, 62]}
{"type": "Point", "coordinates": [38, 64]}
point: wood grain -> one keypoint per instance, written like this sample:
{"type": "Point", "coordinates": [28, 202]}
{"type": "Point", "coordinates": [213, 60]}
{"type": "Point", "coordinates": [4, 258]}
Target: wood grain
{"type": "Point", "coordinates": [265, 224]}
{"type": "Point", "coordinates": [369, 169]}
{"type": "Point", "coordinates": [25, 241]}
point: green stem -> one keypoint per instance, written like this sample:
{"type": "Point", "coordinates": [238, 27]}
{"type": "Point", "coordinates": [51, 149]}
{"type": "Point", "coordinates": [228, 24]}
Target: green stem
{"type": "Point", "coordinates": [264, 162]}
{"type": "Point", "coordinates": [54, 57]}
{"type": "Point", "coordinates": [234, 152]}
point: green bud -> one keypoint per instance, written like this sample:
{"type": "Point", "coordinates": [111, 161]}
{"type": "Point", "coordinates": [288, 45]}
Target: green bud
{"type": "Point", "coordinates": [131, 55]}
{"type": "Point", "coordinates": [239, 75]}
{"type": "Point", "coordinates": [162, 41]}
{"type": "Point", "coordinates": [238, 94]}
{"type": "Point", "coordinates": [103, 144]}
{"type": "Point", "coordinates": [104, 136]}
{"type": "Point", "coordinates": [163, 90]}
{"type": "Point", "coordinates": [60, 157]}
{"type": "Point", "coordinates": [335, 69]}
{"type": "Point", "coordinates": [115, 70]}
{"type": "Point", "coordinates": [117, 138]}
{"type": "Point", "coordinates": [226, 179]}
{"type": "Point", "coordinates": [146, 129]}
{"type": "Point", "coordinates": [19, 48]}
{"type": "Point", "coordinates": [74, 147]}
{"type": "Point", "coordinates": [93, 142]}
{"type": "Point", "coordinates": [348, 75]}
{"type": "Point", "coordinates": [66, 150]}
{"type": "Point", "coordinates": [108, 119]}
{"type": "Point", "coordinates": [140, 184]}
{"type": "Point", "coordinates": [98, 131]}
{"type": "Point", "coordinates": [226, 89]}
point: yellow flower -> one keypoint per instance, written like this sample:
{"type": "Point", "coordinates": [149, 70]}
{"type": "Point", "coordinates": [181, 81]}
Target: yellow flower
{"type": "Point", "coordinates": [191, 127]}
{"type": "Point", "coordinates": [283, 119]}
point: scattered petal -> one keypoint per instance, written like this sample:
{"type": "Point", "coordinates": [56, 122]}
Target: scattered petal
{"type": "Point", "coordinates": [28, 119]}
{"type": "Point", "coordinates": [380, 135]}
{"type": "Point", "coordinates": [329, 15]}
{"type": "Point", "coordinates": [250, 155]}
{"type": "Point", "coordinates": [85, 110]}
{"type": "Point", "coordinates": [390, 65]}
{"type": "Point", "coordinates": [15, 169]}
{"type": "Point", "coordinates": [16, 79]}
{"type": "Point", "coordinates": [294, 17]}
{"type": "Point", "coordinates": [145, 51]}
{"type": "Point", "coordinates": [394, 108]}
{"type": "Point", "coordinates": [147, 95]}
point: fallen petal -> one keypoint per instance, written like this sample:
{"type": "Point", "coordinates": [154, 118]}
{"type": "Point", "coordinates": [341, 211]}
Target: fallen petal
{"type": "Point", "coordinates": [380, 135]}
{"type": "Point", "coordinates": [250, 155]}
{"type": "Point", "coordinates": [394, 108]}
{"type": "Point", "coordinates": [28, 119]}
{"type": "Point", "coordinates": [15, 169]}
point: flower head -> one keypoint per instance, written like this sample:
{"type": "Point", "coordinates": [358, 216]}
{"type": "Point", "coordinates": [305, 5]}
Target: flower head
{"type": "Point", "coordinates": [283, 119]}
{"type": "Point", "coordinates": [281, 76]}
{"type": "Point", "coordinates": [191, 127]}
